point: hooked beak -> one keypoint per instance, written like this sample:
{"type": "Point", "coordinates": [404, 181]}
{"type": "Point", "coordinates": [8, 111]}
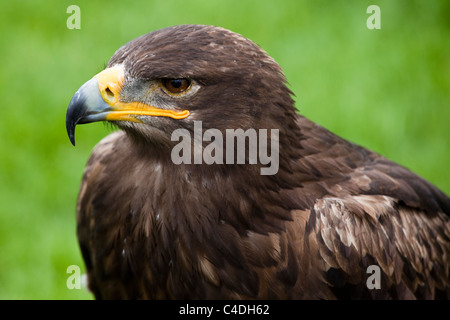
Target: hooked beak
{"type": "Point", "coordinates": [99, 100]}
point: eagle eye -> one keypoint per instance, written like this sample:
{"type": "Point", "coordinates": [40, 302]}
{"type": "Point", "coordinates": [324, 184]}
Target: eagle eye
{"type": "Point", "coordinates": [176, 86]}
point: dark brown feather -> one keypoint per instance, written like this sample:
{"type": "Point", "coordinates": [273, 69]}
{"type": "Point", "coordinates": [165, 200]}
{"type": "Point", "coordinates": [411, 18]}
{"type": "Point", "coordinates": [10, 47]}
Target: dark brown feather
{"type": "Point", "coordinates": [150, 229]}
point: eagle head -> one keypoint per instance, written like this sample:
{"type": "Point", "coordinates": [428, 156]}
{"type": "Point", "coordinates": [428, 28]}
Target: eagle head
{"type": "Point", "coordinates": [168, 78]}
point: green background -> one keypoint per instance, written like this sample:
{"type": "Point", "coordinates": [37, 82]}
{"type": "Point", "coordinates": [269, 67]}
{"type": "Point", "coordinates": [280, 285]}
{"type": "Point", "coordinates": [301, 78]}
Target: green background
{"type": "Point", "coordinates": [387, 89]}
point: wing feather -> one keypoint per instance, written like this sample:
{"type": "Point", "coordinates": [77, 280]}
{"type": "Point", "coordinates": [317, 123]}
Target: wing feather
{"type": "Point", "coordinates": [407, 245]}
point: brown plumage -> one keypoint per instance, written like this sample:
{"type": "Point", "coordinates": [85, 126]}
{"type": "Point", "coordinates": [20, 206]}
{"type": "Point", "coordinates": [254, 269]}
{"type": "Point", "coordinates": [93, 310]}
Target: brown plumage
{"type": "Point", "coordinates": [152, 229]}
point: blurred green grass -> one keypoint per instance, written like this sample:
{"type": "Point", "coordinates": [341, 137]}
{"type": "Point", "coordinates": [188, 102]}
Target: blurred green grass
{"type": "Point", "coordinates": [387, 89]}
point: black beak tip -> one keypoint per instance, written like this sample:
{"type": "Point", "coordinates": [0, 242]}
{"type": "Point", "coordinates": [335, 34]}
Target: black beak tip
{"type": "Point", "coordinates": [72, 139]}
{"type": "Point", "coordinates": [75, 112]}
{"type": "Point", "coordinates": [70, 127]}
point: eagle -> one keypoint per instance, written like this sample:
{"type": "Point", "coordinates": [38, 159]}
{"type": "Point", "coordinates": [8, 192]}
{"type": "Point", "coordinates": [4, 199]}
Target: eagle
{"type": "Point", "coordinates": [171, 206]}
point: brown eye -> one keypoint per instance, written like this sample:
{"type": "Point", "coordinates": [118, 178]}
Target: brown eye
{"type": "Point", "coordinates": [176, 85]}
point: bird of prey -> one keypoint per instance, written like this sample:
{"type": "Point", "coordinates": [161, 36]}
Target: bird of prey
{"type": "Point", "coordinates": [333, 220]}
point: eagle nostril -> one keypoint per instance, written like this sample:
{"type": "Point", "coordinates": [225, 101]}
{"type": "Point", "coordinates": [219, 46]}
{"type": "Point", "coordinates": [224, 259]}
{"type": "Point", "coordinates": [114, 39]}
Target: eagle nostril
{"type": "Point", "coordinates": [108, 91]}
{"type": "Point", "coordinates": [109, 95]}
